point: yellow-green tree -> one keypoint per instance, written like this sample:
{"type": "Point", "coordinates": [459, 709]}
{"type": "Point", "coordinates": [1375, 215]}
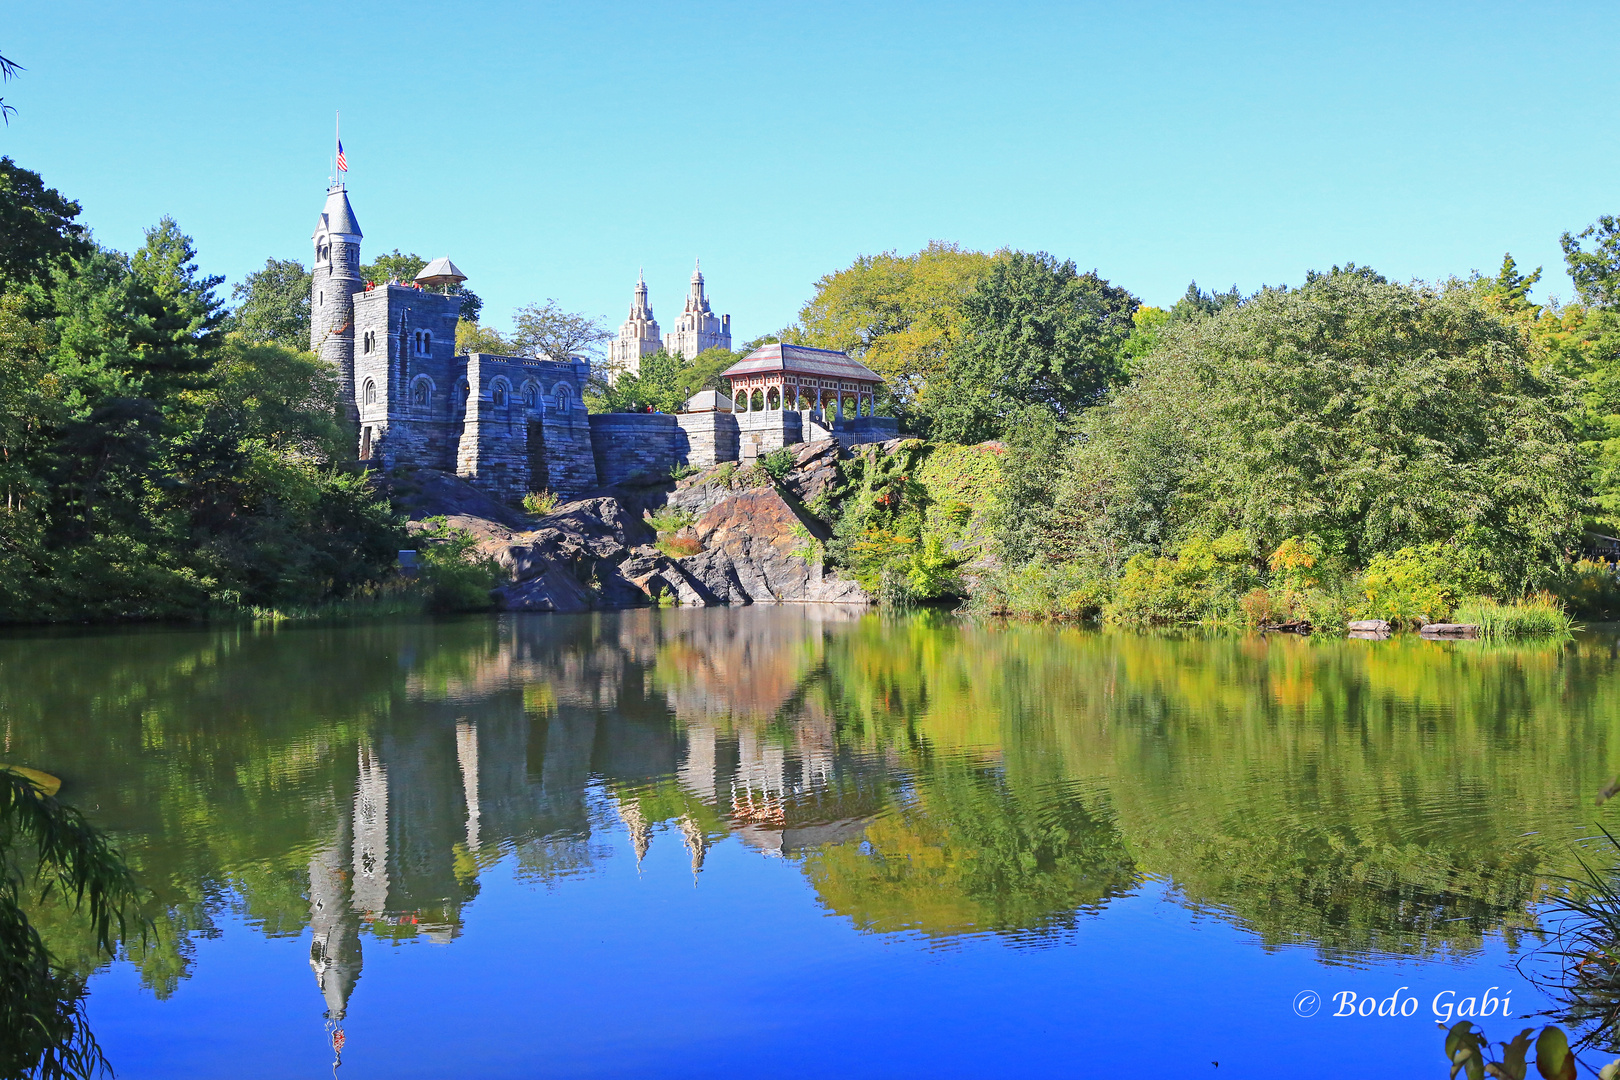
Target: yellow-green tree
{"type": "Point", "coordinates": [899, 314]}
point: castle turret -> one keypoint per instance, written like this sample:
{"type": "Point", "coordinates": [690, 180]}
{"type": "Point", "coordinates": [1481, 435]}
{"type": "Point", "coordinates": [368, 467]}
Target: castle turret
{"type": "Point", "coordinates": [638, 337]}
{"type": "Point", "coordinates": [698, 328]}
{"type": "Point", "coordinates": [335, 280]}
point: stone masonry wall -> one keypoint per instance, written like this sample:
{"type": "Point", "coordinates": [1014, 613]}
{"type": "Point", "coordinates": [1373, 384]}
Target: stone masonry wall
{"type": "Point", "coordinates": [511, 402]}
{"type": "Point", "coordinates": [404, 376]}
{"type": "Point", "coordinates": [633, 445]}
{"type": "Point", "coordinates": [769, 429]}
{"type": "Point", "coordinates": [705, 438]}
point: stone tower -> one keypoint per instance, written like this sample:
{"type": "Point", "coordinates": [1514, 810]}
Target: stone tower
{"type": "Point", "coordinates": [698, 328]}
{"type": "Point", "coordinates": [638, 337]}
{"type": "Point", "coordinates": [335, 280]}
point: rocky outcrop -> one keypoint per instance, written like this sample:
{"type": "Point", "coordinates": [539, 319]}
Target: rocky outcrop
{"type": "Point", "coordinates": [754, 542]}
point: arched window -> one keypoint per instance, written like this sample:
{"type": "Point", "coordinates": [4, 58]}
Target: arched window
{"type": "Point", "coordinates": [773, 399]}
{"type": "Point", "coordinates": [740, 402]}
{"type": "Point", "coordinates": [368, 394]}
{"type": "Point", "coordinates": [422, 394]}
{"type": "Point", "coordinates": [531, 395]}
{"type": "Point", "coordinates": [427, 342]}
{"type": "Point", "coordinates": [560, 395]}
{"type": "Point", "coordinates": [756, 401]}
{"type": "Point", "coordinates": [497, 394]}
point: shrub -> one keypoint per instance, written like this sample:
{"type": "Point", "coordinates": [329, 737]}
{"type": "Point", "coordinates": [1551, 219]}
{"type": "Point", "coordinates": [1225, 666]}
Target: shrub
{"type": "Point", "coordinates": [455, 574]}
{"type": "Point", "coordinates": [1589, 588]}
{"type": "Point", "coordinates": [1041, 590]}
{"type": "Point", "coordinates": [677, 547]}
{"type": "Point", "coordinates": [681, 472]}
{"type": "Point", "coordinates": [669, 520]}
{"type": "Point", "coordinates": [777, 463]}
{"type": "Point", "coordinates": [1538, 616]}
{"type": "Point", "coordinates": [540, 503]}
{"type": "Point", "coordinates": [1409, 586]}
{"type": "Point", "coordinates": [1201, 584]}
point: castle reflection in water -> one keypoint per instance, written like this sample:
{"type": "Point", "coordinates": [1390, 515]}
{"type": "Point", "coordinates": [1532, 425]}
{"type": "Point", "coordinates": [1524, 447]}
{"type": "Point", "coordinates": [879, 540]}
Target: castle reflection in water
{"type": "Point", "coordinates": [528, 743]}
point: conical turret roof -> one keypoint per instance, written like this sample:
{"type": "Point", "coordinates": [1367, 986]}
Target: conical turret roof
{"type": "Point", "coordinates": [338, 216]}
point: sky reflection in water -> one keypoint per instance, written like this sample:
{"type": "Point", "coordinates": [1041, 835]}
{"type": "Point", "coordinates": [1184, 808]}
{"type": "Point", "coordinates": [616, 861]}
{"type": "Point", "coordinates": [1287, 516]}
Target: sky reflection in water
{"type": "Point", "coordinates": [809, 840]}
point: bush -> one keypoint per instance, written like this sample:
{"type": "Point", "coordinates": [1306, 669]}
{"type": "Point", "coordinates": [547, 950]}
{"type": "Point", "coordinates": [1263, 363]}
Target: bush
{"type": "Point", "coordinates": [778, 463]}
{"type": "Point", "coordinates": [669, 520]}
{"type": "Point", "coordinates": [681, 472]}
{"type": "Point", "coordinates": [1201, 584]}
{"type": "Point", "coordinates": [540, 503]}
{"type": "Point", "coordinates": [677, 547]}
{"type": "Point", "coordinates": [454, 573]}
{"type": "Point", "coordinates": [1041, 590]}
{"type": "Point", "coordinates": [1538, 616]}
{"type": "Point", "coordinates": [1409, 587]}
{"type": "Point", "coordinates": [1589, 588]}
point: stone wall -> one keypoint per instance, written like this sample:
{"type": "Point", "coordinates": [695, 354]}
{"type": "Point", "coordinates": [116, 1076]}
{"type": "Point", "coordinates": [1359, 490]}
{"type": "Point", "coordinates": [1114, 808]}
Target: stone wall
{"type": "Point", "coordinates": [705, 438]}
{"type": "Point", "coordinates": [761, 432]}
{"type": "Point", "coordinates": [404, 343]}
{"type": "Point", "coordinates": [525, 427]}
{"type": "Point", "coordinates": [633, 445]}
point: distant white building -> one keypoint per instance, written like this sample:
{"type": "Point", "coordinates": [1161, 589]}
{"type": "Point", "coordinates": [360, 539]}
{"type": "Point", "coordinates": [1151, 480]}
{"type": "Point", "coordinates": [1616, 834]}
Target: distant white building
{"type": "Point", "coordinates": [698, 328]}
{"type": "Point", "coordinates": [638, 337]}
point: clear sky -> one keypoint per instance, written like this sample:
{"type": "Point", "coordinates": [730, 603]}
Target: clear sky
{"type": "Point", "coordinates": [552, 149]}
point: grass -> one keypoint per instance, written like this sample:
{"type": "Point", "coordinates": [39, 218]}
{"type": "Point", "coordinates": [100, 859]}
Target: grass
{"type": "Point", "coordinates": [668, 520]}
{"type": "Point", "coordinates": [1537, 616]}
{"type": "Point", "coordinates": [540, 503]}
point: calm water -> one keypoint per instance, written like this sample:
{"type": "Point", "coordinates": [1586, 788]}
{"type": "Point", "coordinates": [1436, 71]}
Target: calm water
{"type": "Point", "coordinates": [810, 842]}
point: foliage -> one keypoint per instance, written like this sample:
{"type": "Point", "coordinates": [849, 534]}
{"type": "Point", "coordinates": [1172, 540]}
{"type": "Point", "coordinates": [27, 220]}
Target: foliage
{"type": "Point", "coordinates": [472, 337]}
{"type": "Point", "coordinates": [778, 463]}
{"type": "Point", "coordinates": [1411, 586]}
{"type": "Point", "coordinates": [273, 305]}
{"type": "Point", "coordinates": [400, 269]}
{"type": "Point", "coordinates": [43, 1028]}
{"type": "Point", "coordinates": [457, 576]}
{"type": "Point", "coordinates": [1042, 590]}
{"type": "Point", "coordinates": [669, 520]}
{"type": "Point", "coordinates": [546, 330]}
{"type": "Point", "coordinates": [37, 226]}
{"type": "Point", "coordinates": [900, 315]}
{"type": "Point", "coordinates": [1589, 588]}
{"type": "Point", "coordinates": [907, 522]}
{"type": "Point", "coordinates": [1370, 417]}
{"type": "Point", "coordinates": [663, 382]}
{"type": "Point", "coordinates": [1035, 332]}
{"type": "Point", "coordinates": [1595, 272]}
{"type": "Point", "coordinates": [1525, 619]}
{"type": "Point", "coordinates": [151, 465]}
{"type": "Point", "coordinates": [540, 503]}
{"type": "Point", "coordinates": [1199, 584]}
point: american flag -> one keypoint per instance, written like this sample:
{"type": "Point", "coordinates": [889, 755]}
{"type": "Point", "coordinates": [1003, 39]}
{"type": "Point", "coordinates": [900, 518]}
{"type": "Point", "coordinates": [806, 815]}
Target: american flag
{"type": "Point", "coordinates": [343, 162]}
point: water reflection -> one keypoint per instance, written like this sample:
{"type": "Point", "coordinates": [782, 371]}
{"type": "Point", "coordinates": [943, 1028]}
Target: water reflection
{"type": "Point", "coordinates": [926, 776]}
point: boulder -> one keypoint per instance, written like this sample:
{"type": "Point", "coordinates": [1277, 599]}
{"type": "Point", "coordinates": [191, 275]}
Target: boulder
{"type": "Point", "coordinates": [1375, 626]}
{"type": "Point", "coordinates": [815, 469]}
{"type": "Point", "coordinates": [1450, 630]}
{"type": "Point", "coordinates": [755, 551]}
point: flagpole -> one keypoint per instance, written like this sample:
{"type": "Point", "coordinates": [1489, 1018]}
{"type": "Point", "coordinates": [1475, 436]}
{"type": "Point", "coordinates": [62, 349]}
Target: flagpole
{"type": "Point", "coordinates": [337, 136]}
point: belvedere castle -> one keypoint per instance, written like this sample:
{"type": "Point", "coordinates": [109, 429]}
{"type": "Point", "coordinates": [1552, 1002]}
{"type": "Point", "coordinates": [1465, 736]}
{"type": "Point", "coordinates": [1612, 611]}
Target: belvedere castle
{"type": "Point", "coordinates": [515, 424]}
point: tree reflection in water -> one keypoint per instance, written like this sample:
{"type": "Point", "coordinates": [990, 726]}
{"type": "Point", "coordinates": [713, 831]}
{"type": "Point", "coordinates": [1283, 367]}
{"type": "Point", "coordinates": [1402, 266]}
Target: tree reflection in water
{"type": "Point", "coordinates": [928, 776]}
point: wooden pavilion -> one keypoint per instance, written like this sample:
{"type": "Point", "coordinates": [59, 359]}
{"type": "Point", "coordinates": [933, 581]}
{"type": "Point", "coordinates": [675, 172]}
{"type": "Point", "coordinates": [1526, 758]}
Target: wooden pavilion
{"type": "Point", "coordinates": [823, 381]}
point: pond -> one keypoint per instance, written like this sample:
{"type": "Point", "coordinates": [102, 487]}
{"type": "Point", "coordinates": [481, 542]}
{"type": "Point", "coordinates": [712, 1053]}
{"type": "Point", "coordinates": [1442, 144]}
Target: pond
{"type": "Point", "coordinates": [813, 841]}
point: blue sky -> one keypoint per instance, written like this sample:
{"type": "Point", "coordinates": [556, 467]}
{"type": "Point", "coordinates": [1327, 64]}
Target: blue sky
{"type": "Point", "coordinates": [551, 149]}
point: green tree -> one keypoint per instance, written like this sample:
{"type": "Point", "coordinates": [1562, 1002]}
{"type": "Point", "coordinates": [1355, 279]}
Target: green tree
{"type": "Point", "coordinates": [1368, 415]}
{"type": "Point", "coordinates": [273, 305]}
{"type": "Point", "coordinates": [402, 269]}
{"type": "Point", "coordinates": [663, 382]}
{"type": "Point", "coordinates": [900, 315]}
{"type": "Point", "coordinates": [474, 338]}
{"type": "Point", "coordinates": [545, 329]}
{"type": "Point", "coordinates": [1596, 273]}
{"type": "Point", "coordinates": [1035, 332]}
{"type": "Point", "coordinates": [37, 225]}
